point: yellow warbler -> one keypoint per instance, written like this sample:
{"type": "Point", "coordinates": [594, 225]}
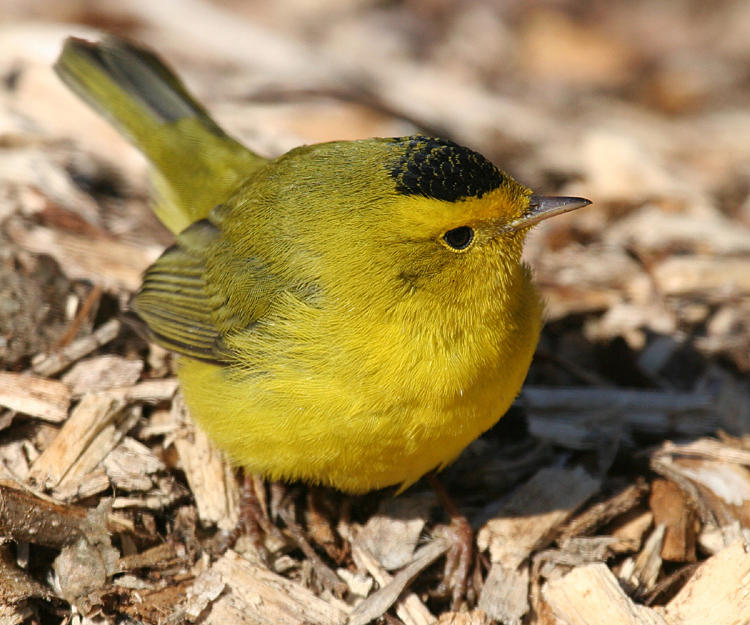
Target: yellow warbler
{"type": "Point", "coordinates": [352, 313]}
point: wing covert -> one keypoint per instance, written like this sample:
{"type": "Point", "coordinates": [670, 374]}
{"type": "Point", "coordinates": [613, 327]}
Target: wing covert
{"type": "Point", "coordinates": [189, 314]}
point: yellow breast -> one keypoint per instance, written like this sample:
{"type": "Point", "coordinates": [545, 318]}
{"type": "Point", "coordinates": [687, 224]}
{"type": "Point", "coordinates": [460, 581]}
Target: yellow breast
{"type": "Point", "coordinates": [379, 401]}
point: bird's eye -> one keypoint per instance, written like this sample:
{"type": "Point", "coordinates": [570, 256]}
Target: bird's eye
{"type": "Point", "coordinates": [459, 238]}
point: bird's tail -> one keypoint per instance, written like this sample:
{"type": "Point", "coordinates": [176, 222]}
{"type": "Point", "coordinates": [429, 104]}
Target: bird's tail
{"type": "Point", "coordinates": [196, 164]}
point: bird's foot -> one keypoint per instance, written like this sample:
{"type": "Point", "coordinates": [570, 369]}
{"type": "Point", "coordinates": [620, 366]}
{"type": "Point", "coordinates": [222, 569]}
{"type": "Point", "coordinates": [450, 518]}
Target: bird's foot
{"type": "Point", "coordinates": [253, 518]}
{"type": "Point", "coordinates": [460, 554]}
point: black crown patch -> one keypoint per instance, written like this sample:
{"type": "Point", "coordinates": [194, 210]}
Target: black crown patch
{"type": "Point", "coordinates": [443, 170]}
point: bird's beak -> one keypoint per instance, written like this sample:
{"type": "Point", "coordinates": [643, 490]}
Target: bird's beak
{"type": "Point", "coordinates": [543, 207]}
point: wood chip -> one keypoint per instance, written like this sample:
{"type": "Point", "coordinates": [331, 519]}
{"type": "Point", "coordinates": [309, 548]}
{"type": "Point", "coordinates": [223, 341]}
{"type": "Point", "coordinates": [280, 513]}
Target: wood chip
{"type": "Point", "coordinates": [95, 414]}
{"type": "Point", "coordinates": [591, 595]}
{"type": "Point", "coordinates": [160, 556]}
{"type": "Point", "coordinates": [148, 391]}
{"type": "Point", "coordinates": [16, 584]}
{"type": "Point", "coordinates": [207, 587]}
{"type": "Point", "coordinates": [655, 229]}
{"type": "Point", "coordinates": [106, 439]}
{"type": "Point", "coordinates": [102, 373]}
{"type": "Point", "coordinates": [254, 595]}
{"type": "Point", "coordinates": [670, 508]}
{"type": "Point", "coordinates": [696, 274]}
{"type": "Point", "coordinates": [160, 498]}
{"type": "Point", "coordinates": [567, 414]}
{"type": "Point", "coordinates": [598, 514]}
{"type": "Point", "coordinates": [631, 532]}
{"type": "Point", "coordinates": [50, 364]}
{"type": "Point", "coordinates": [16, 614]}
{"type": "Point", "coordinates": [728, 485]}
{"type": "Point", "coordinates": [131, 464]}
{"type": "Point", "coordinates": [641, 574]}
{"type": "Point", "coordinates": [391, 535]}
{"type": "Point", "coordinates": [583, 549]}
{"type": "Point", "coordinates": [718, 593]}
{"type": "Point", "coordinates": [710, 449]}
{"type": "Point", "coordinates": [87, 484]}
{"type": "Point", "coordinates": [111, 262]}
{"type": "Point", "coordinates": [160, 423]}
{"type": "Point", "coordinates": [504, 596]}
{"type": "Point", "coordinates": [14, 460]}
{"type": "Point", "coordinates": [37, 397]}
{"type": "Point", "coordinates": [475, 617]}
{"type": "Point", "coordinates": [533, 512]}
{"type": "Point", "coordinates": [409, 608]}
{"type": "Point", "coordinates": [649, 561]}
{"type": "Point", "coordinates": [26, 517]}
{"type": "Point", "coordinates": [84, 567]}
{"type": "Point", "coordinates": [359, 584]}
{"type": "Point", "coordinates": [151, 607]}
{"type": "Point", "coordinates": [718, 489]}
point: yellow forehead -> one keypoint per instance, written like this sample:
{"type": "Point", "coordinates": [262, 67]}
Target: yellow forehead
{"type": "Point", "coordinates": [503, 204]}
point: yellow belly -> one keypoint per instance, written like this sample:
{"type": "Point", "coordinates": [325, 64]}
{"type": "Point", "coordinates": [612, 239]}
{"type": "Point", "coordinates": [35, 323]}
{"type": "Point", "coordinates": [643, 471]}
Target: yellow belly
{"type": "Point", "coordinates": [350, 450]}
{"type": "Point", "coordinates": [332, 425]}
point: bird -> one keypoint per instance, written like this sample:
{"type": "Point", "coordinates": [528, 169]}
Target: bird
{"type": "Point", "coordinates": [350, 313]}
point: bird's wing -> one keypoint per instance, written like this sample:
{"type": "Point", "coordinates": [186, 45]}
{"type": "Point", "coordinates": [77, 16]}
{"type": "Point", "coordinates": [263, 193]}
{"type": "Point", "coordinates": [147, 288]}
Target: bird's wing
{"type": "Point", "coordinates": [189, 313]}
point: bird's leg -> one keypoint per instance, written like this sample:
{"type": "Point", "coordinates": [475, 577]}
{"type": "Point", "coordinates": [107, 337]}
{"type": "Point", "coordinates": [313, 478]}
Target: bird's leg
{"type": "Point", "coordinates": [253, 517]}
{"type": "Point", "coordinates": [325, 574]}
{"type": "Point", "coordinates": [459, 556]}
{"type": "Point", "coordinates": [254, 520]}
{"type": "Point", "coordinates": [253, 508]}
{"type": "Point", "coordinates": [321, 503]}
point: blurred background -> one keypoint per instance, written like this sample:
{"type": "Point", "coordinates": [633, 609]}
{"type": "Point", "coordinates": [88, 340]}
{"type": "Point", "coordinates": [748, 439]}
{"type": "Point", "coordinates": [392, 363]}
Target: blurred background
{"type": "Point", "coordinates": [643, 106]}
